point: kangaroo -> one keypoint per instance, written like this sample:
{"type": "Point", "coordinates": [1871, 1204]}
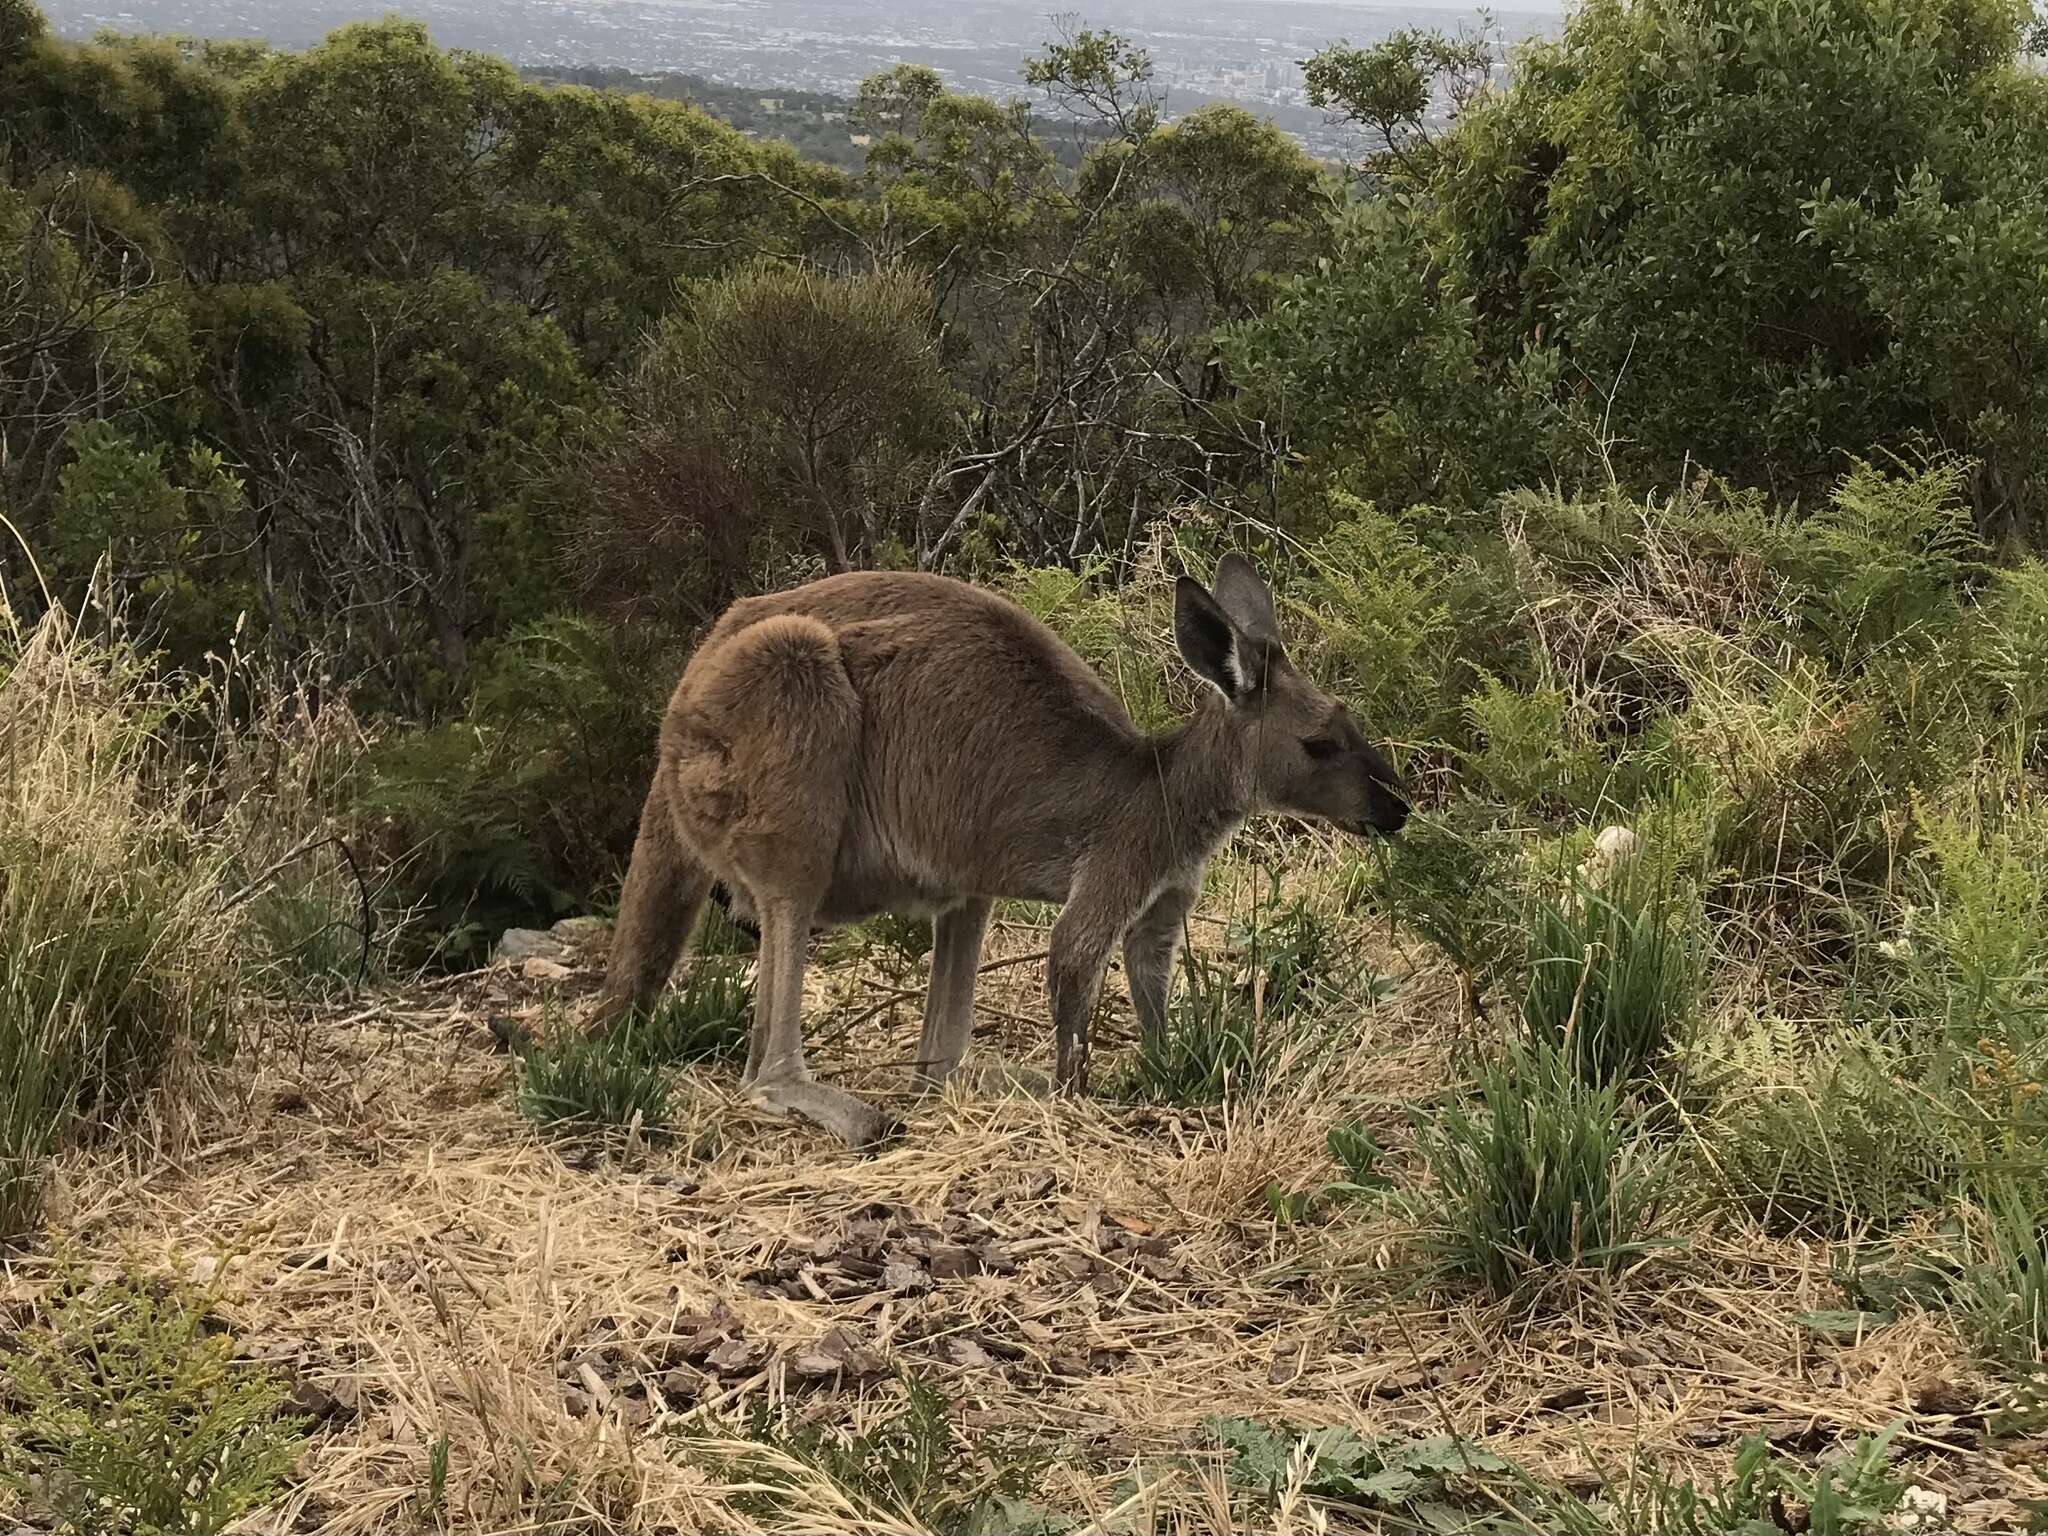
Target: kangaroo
{"type": "Point", "coordinates": [882, 741]}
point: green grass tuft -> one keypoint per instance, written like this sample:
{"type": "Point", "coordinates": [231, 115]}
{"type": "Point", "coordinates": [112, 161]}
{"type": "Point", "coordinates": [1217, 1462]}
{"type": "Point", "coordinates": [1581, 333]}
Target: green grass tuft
{"type": "Point", "coordinates": [707, 1017]}
{"type": "Point", "coordinates": [1543, 1174]}
{"type": "Point", "coordinates": [1613, 978]}
{"type": "Point", "coordinates": [579, 1082]}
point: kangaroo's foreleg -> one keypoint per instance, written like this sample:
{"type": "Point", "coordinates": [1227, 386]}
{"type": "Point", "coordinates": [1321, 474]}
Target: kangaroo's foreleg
{"type": "Point", "coordinates": [1083, 939]}
{"type": "Point", "coordinates": [949, 1002]}
{"type": "Point", "coordinates": [1150, 946]}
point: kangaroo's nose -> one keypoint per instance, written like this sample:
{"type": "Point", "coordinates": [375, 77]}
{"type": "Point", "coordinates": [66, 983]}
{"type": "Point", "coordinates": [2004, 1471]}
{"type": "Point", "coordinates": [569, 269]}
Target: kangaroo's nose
{"type": "Point", "coordinates": [1393, 811]}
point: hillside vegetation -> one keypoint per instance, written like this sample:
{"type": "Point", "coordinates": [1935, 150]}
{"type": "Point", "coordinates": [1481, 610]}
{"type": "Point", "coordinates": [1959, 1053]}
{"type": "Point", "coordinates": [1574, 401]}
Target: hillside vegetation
{"type": "Point", "coordinates": [1663, 446]}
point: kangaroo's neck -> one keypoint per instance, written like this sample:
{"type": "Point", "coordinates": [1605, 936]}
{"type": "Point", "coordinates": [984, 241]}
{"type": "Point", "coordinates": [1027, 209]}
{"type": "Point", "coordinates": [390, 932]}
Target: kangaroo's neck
{"type": "Point", "coordinates": [1204, 775]}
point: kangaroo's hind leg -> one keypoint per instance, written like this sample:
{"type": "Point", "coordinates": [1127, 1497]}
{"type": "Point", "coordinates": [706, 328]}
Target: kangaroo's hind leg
{"type": "Point", "coordinates": [768, 746]}
{"type": "Point", "coordinates": [783, 1079]}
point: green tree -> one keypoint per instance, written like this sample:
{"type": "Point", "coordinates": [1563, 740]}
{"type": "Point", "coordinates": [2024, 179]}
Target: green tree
{"type": "Point", "coordinates": [1954, 270]}
{"type": "Point", "coordinates": [1377, 369]}
{"type": "Point", "coordinates": [782, 409]}
{"type": "Point", "coordinates": [1389, 89]}
{"type": "Point", "coordinates": [1693, 220]}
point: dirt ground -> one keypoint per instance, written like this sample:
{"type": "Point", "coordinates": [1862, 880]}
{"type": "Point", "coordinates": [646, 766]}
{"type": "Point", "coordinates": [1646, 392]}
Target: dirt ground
{"type": "Point", "coordinates": [577, 1321]}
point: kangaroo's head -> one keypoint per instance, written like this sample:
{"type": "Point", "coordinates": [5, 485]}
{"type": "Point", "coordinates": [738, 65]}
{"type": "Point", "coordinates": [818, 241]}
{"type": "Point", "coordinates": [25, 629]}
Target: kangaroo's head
{"type": "Point", "coordinates": [1308, 756]}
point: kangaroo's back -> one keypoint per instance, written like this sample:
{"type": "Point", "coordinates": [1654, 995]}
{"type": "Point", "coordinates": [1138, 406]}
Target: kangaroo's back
{"type": "Point", "coordinates": [953, 625]}
{"type": "Point", "coordinates": [989, 750]}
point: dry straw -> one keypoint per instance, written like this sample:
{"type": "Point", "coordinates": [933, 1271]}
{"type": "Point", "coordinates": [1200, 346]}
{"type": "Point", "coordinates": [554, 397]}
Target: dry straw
{"type": "Point", "coordinates": [592, 1331]}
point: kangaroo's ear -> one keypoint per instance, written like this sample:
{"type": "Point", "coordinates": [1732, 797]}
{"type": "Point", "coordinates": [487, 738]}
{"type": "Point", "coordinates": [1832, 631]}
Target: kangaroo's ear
{"type": "Point", "coordinates": [1209, 642]}
{"type": "Point", "coordinates": [1245, 597]}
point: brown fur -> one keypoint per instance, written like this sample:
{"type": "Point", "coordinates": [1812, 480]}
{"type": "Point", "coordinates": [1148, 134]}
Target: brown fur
{"type": "Point", "coordinates": [903, 742]}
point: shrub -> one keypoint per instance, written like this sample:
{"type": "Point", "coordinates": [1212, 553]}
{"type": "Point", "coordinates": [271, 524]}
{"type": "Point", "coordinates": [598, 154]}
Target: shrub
{"type": "Point", "coordinates": [1121, 634]}
{"type": "Point", "coordinates": [781, 406]}
{"type": "Point", "coordinates": [1882, 564]}
{"type": "Point", "coordinates": [2015, 610]}
{"type": "Point", "coordinates": [1827, 1134]}
{"type": "Point", "coordinates": [1976, 956]}
{"type": "Point", "coordinates": [528, 808]}
{"type": "Point", "coordinates": [718, 933]}
{"type": "Point", "coordinates": [1850, 1496]}
{"type": "Point", "coordinates": [2002, 1296]}
{"type": "Point", "coordinates": [115, 948]}
{"type": "Point", "coordinates": [1384, 1471]}
{"type": "Point", "coordinates": [319, 916]}
{"type": "Point", "coordinates": [575, 1081]}
{"type": "Point", "coordinates": [1451, 878]}
{"type": "Point", "coordinates": [1541, 1175]}
{"type": "Point", "coordinates": [905, 939]}
{"type": "Point", "coordinates": [1404, 630]}
{"type": "Point", "coordinates": [1357, 1152]}
{"type": "Point", "coordinates": [1533, 749]}
{"type": "Point", "coordinates": [1291, 952]}
{"type": "Point", "coordinates": [136, 1417]}
{"type": "Point", "coordinates": [1613, 977]}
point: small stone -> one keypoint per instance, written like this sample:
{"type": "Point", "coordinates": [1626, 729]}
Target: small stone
{"type": "Point", "coordinates": [737, 1356]}
{"type": "Point", "coordinates": [1920, 1509]}
{"type": "Point", "coordinates": [681, 1388]}
{"type": "Point", "coordinates": [966, 1352]}
{"type": "Point", "coordinates": [1286, 1366]}
{"type": "Point", "coordinates": [517, 944]}
{"type": "Point", "coordinates": [838, 1353]}
{"type": "Point", "coordinates": [310, 1400]}
{"type": "Point", "coordinates": [901, 1275]}
{"type": "Point", "coordinates": [541, 968]}
{"type": "Point", "coordinates": [1078, 1266]}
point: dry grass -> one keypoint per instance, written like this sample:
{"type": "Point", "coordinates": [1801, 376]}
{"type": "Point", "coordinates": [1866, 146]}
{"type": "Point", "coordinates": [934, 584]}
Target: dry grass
{"type": "Point", "coordinates": [587, 1326]}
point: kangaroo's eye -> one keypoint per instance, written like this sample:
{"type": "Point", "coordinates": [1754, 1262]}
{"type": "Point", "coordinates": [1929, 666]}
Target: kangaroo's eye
{"type": "Point", "coordinates": [1322, 748]}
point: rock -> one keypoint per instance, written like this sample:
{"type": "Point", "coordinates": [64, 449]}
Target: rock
{"type": "Point", "coordinates": [902, 1275]}
{"type": "Point", "coordinates": [540, 968]}
{"type": "Point", "coordinates": [738, 1356]}
{"type": "Point", "coordinates": [838, 1355]}
{"type": "Point", "coordinates": [967, 1352]}
{"type": "Point", "coordinates": [1286, 1365]}
{"type": "Point", "coordinates": [581, 931]}
{"type": "Point", "coordinates": [510, 1034]}
{"type": "Point", "coordinates": [517, 944]}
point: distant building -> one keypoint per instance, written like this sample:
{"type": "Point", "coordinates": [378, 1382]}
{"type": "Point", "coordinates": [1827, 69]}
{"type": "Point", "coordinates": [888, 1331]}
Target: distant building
{"type": "Point", "coordinates": [860, 140]}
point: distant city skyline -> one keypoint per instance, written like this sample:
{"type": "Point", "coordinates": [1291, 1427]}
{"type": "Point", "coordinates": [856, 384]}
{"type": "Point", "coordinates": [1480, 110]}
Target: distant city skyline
{"type": "Point", "coordinates": [1246, 51]}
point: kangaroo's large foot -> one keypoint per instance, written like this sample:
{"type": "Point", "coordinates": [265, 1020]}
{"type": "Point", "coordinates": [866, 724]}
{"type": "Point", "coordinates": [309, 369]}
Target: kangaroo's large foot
{"type": "Point", "coordinates": [854, 1121]}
